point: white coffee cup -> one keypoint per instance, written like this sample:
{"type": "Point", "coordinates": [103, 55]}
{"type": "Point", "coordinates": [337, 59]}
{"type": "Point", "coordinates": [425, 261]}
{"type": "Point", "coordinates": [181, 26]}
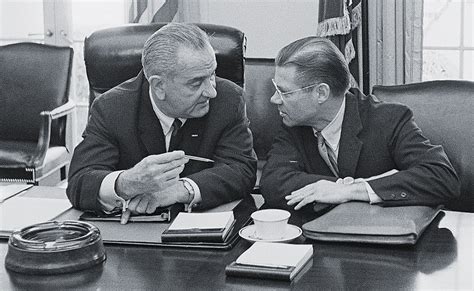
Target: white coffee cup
{"type": "Point", "coordinates": [270, 224]}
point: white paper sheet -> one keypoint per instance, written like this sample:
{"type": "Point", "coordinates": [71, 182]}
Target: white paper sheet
{"type": "Point", "coordinates": [216, 220]}
{"type": "Point", "coordinates": [7, 191]}
{"type": "Point", "coordinates": [19, 212]}
{"type": "Point", "coordinates": [274, 254]}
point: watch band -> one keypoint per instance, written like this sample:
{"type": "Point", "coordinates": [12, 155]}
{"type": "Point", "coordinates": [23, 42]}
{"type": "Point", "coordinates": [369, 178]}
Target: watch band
{"type": "Point", "coordinates": [190, 189]}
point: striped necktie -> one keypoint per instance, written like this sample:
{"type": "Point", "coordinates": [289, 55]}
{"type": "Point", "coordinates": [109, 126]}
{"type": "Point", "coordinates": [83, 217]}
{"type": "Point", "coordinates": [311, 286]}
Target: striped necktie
{"type": "Point", "coordinates": [327, 154]}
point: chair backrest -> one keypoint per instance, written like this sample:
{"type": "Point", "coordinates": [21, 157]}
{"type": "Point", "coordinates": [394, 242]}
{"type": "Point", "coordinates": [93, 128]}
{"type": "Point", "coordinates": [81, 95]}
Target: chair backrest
{"type": "Point", "coordinates": [113, 55]}
{"type": "Point", "coordinates": [444, 110]}
{"type": "Point", "coordinates": [33, 78]}
{"type": "Point", "coordinates": [264, 117]}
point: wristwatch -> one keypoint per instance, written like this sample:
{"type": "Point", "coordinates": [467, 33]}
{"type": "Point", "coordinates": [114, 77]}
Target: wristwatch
{"type": "Point", "coordinates": [190, 189]}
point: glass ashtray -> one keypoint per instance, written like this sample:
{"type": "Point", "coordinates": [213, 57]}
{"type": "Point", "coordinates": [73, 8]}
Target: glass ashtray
{"type": "Point", "coordinates": [55, 247]}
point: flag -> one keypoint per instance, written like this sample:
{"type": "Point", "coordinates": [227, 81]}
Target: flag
{"type": "Point", "coordinates": [148, 11]}
{"type": "Point", "coordinates": [338, 20]}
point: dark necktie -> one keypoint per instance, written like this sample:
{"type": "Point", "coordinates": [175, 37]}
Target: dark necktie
{"type": "Point", "coordinates": [176, 135]}
{"type": "Point", "coordinates": [327, 154]}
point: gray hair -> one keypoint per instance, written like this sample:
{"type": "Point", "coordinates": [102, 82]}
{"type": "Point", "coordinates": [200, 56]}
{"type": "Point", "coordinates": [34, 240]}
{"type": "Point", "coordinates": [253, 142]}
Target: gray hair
{"type": "Point", "coordinates": [159, 52]}
{"type": "Point", "coordinates": [316, 60]}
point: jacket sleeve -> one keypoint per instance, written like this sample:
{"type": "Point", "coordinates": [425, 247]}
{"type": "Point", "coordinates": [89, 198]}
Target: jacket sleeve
{"type": "Point", "coordinates": [93, 159]}
{"type": "Point", "coordinates": [425, 175]}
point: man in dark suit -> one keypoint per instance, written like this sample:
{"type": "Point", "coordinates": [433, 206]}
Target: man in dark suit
{"type": "Point", "coordinates": [133, 153]}
{"type": "Point", "coordinates": [338, 145]}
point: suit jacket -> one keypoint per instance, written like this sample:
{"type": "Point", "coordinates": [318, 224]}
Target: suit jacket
{"type": "Point", "coordinates": [123, 129]}
{"type": "Point", "coordinates": [375, 138]}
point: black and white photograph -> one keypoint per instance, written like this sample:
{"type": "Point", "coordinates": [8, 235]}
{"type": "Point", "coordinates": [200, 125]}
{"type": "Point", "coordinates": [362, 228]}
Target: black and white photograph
{"type": "Point", "coordinates": [236, 145]}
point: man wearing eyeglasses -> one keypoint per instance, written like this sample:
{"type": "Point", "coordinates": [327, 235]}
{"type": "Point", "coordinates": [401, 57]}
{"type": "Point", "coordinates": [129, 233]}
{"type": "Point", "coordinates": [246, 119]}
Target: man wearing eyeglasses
{"type": "Point", "coordinates": [338, 145]}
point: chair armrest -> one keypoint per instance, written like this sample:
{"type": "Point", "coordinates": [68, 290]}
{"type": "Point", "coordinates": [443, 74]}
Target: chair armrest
{"type": "Point", "coordinates": [45, 131]}
{"type": "Point", "coordinates": [61, 110]}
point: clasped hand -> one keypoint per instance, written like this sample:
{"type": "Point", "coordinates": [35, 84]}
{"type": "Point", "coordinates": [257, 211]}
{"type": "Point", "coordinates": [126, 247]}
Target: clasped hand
{"type": "Point", "coordinates": [152, 183]}
{"type": "Point", "coordinates": [324, 191]}
{"type": "Point", "coordinates": [147, 203]}
{"type": "Point", "coordinates": [152, 174]}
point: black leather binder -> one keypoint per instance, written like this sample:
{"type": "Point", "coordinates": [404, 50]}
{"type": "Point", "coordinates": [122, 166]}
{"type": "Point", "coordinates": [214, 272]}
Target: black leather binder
{"type": "Point", "coordinates": [365, 223]}
{"type": "Point", "coordinates": [146, 233]}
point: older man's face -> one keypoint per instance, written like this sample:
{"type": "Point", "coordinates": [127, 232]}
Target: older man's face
{"type": "Point", "coordinates": [194, 84]}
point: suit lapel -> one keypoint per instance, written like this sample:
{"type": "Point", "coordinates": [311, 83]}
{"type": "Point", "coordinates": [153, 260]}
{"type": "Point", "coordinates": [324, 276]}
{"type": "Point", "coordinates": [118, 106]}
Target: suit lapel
{"type": "Point", "coordinates": [310, 144]}
{"type": "Point", "coordinates": [149, 126]}
{"type": "Point", "coordinates": [350, 144]}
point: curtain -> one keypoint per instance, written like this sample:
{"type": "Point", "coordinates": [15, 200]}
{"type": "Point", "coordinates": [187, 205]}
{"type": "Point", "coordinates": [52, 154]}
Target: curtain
{"type": "Point", "coordinates": [338, 21]}
{"type": "Point", "coordinates": [148, 11]}
{"type": "Point", "coordinates": [191, 11]}
{"type": "Point", "coordinates": [395, 41]}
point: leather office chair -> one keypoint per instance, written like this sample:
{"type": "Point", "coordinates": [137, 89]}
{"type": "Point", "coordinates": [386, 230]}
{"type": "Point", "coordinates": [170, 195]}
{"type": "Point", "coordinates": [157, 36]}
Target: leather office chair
{"type": "Point", "coordinates": [34, 102]}
{"type": "Point", "coordinates": [444, 112]}
{"type": "Point", "coordinates": [113, 55]}
{"type": "Point", "coordinates": [264, 117]}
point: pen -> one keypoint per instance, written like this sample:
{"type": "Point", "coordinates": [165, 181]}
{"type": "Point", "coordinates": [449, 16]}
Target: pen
{"type": "Point", "coordinates": [199, 159]}
{"type": "Point", "coordinates": [125, 212]}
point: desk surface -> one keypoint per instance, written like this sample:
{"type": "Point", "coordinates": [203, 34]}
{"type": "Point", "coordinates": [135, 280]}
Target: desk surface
{"type": "Point", "coordinates": [443, 259]}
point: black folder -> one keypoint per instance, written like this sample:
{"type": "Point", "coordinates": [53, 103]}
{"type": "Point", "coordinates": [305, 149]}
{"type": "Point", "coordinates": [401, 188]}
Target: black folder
{"type": "Point", "coordinates": [146, 233]}
{"type": "Point", "coordinates": [365, 223]}
{"type": "Point", "coordinates": [162, 214]}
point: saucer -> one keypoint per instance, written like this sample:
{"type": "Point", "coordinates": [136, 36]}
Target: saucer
{"type": "Point", "coordinates": [249, 233]}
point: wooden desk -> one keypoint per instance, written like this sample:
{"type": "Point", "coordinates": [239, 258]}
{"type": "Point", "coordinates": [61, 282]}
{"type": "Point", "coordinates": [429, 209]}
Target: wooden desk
{"type": "Point", "coordinates": [443, 259]}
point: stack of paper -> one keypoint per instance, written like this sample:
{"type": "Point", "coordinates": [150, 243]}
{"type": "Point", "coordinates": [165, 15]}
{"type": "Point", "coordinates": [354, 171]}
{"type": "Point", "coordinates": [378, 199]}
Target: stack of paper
{"type": "Point", "coordinates": [203, 227]}
{"type": "Point", "coordinates": [271, 260]}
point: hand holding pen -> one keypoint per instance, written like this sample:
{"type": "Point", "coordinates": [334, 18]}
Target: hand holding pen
{"type": "Point", "coordinates": [153, 174]}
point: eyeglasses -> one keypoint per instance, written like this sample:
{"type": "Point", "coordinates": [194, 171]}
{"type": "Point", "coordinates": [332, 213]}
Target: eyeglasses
{"type": "Point", "coordinates": [290, 92]}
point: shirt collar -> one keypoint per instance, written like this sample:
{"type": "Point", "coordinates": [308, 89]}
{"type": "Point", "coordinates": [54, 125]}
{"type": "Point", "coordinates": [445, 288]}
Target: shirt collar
{"type": "Point", "coordinates": [332, 132]}
{"type": "Point", "coordinates": [165, 120]}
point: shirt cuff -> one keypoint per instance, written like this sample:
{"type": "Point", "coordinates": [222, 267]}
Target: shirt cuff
{"type": "Point", "coordinates": [373, 197]}
{"type": "Point", "coordinates": [197, 194]}
{"type": "Point", "coordinates": [108, 198]}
